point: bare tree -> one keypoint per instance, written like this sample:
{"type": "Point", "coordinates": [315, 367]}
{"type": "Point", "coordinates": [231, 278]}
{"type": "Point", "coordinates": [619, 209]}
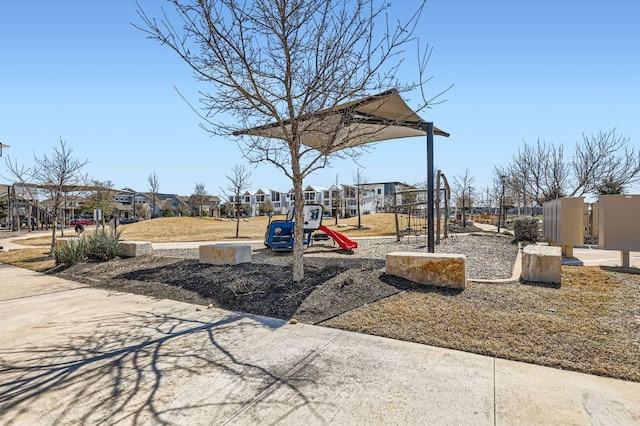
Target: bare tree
{"type": "Point", "coordinates": [280, 61]}
{"type": "Point", "coordinates": [154, 188]}
{"type": "Point", "coordinates": [359, 179]}
{"type": "Point", "coordinates": [199, 197]}
{"type": "Point", "coordinates": [463, 189]}
{"type": "Point", "coordinates": [238, 183]}
{"type": "Point", "coordinates": [601, 164]}
{"type": "Point", "coordinates": [605, 164]}
{"type": "Point", "coordinates": [58, 174]}
{"type": "Point", "coordinates": [337, 199]}
{"type": "Point", "coordinates": [540, 171]}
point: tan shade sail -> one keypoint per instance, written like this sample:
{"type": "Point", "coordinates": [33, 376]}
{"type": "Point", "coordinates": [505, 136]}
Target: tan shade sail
{"type": "Point", "coordinates": [372, 119]}
{"type": "Point", "coordinates": [63, 188]}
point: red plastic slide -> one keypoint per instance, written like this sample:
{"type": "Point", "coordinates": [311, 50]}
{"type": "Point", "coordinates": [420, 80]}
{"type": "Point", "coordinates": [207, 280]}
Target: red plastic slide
{"type": "Point", "coordinates": [344, 242]}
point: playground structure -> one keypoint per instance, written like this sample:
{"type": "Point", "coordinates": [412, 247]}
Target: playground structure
{"type": "Point", "coordinates": [279, 233]}
{"type": "Point", "coordinates": [415, 205]}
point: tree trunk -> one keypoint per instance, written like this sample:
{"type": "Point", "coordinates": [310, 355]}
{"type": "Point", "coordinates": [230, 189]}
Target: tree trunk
{"type": "Point", "coordinates": [298, 233]}
{"type": "Point", "coordinates": [358, 205]}
{"type": "Point", "coordinates": [238, 220]}
{"type": "Point", "coordinates": [53, 235]}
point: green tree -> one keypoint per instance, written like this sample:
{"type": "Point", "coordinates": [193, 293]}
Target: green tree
{"type": "Point", "coordinates": [265, 208]}
{"type": "Point", "coordinates": [102, 197]}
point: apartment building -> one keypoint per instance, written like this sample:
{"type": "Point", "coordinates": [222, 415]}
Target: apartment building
{"type": "Point", "coordinates": [341, 200]}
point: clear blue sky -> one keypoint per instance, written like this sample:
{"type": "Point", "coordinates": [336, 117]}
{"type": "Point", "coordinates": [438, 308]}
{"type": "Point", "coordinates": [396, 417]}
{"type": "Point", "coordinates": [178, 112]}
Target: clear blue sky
{"type": "Point", "coordinates": [79, 71]}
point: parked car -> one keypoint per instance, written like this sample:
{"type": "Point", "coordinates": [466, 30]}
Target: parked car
{"type": "Point", "coordinates": [80, 221]}
{"type": "Point", "coordinates": [127, 220]}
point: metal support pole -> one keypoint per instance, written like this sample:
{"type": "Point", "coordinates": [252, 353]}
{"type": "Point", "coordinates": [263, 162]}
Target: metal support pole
{"type": "Point", "coordinates": [428, 127]}
{"type": "Point", "coordinates": [438, 207]}
{"type": "Point", "coordinates": [395, 213]}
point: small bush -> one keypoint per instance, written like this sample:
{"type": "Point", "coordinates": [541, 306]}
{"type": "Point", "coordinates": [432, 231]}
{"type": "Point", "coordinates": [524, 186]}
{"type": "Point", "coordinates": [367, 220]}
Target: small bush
{"type": "Point", "coordinates": [99, 245]}
{"type": "Point", "coordinates": [525, 229]}
{"type": "Point", "coordinates": [102, 245]}
{"type": "Point", "coordinates": [71, 252]}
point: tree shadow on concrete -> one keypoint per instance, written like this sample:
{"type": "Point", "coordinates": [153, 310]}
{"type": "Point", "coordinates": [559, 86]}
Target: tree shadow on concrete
{"type": "Point", "coordinates": [138, 368]}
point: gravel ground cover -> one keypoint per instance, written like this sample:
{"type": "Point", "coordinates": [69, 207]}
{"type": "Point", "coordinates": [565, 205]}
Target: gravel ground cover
{"type": "Point", "coordinates": [488, 256]}
{"type": "Point", "coordinates": [590, 324]}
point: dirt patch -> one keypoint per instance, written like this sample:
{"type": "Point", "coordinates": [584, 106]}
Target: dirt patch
{"type": "Point", "coordinates": [330, 288]}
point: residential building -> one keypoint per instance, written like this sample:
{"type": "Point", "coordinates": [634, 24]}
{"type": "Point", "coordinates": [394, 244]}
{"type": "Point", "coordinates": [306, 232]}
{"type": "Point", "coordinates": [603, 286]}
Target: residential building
{"type": "Point", "coordinates": [210, 205]}
{"type": "Point", "coordinates": [131, 203]}
{"type": "Point", "coordinates": [280, 201]}
{"type": "Point", "coordinates": [383, 194]}
{"type": "Point", "coordinates": [172, 205]}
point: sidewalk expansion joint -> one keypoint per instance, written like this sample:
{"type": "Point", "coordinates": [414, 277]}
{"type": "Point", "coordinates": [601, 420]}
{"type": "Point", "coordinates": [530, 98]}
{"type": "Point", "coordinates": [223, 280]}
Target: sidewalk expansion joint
{"type": "Point", "coordinates": [269, 389]}
{"type": "Point", "coordinates": [44, 294]}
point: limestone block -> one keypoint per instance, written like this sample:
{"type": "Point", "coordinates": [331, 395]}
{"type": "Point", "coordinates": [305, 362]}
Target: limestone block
{"type": "Point", "coordinates": [134, 248]}
{"type": "Point", "coordinates": [438, 269]}
{"type": "Point", "coordinates": [542, 264]}
{"type": "Point", "coordinates": [225, 254]}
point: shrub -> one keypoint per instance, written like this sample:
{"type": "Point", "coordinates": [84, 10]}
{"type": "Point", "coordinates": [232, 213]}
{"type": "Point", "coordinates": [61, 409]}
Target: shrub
{"type": "Point", "coordinates": [71, 252]}
{"type": "Point", "coordinates": [99, 245]}
{"type": "Point", "coordinates": [525, 229]}
{"type": "Point", "coordinates": [102, 245]}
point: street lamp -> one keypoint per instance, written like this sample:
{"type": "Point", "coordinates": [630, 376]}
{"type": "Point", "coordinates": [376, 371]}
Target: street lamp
{"type": "Point", "coordinates": [503, 178]}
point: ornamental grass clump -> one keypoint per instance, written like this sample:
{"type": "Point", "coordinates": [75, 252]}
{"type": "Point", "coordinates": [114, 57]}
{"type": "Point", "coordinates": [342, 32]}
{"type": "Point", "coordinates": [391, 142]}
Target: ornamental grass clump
{"type": "Point", "coordinates": [94, 246]}
{"type": "Point", "coordinates": [71, 252]}
{"type": "Point", "coordinates": [101, 245]}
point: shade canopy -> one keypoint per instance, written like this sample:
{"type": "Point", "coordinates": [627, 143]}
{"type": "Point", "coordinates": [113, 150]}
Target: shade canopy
{"type": "Point", "coordinates": [372, 119]}
{"type": "Point", "coordinates": [62, 188]}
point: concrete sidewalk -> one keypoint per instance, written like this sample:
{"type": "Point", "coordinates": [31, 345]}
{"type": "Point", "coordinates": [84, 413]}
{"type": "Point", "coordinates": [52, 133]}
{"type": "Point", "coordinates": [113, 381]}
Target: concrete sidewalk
{"type": "Point", "coordinates": [71, 354]}
{"type": "Point", "coordinates": [587, 256]}
{"type": "Point", "coordinates": [7, 243]}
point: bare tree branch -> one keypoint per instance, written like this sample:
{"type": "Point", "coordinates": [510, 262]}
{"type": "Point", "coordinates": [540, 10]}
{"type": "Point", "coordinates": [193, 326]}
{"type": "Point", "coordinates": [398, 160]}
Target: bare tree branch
{"type": "Point", "coordinates": [280, 61]}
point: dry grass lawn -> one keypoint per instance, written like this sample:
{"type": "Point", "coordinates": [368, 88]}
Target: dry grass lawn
{"type": "Point", "coordinates": [591, 324]}
{"type": "Point", "coordinates": [173, 229]}
{"type": "Point", "coordinates": [34, 259]}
